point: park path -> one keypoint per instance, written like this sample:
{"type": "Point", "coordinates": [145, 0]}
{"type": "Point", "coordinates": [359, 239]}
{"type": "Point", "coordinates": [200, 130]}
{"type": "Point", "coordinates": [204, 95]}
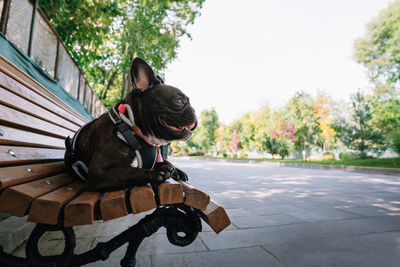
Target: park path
{"type": "Point", "coordinates": [280, 217]}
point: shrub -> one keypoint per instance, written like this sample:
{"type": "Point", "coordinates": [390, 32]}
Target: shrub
{"type": "Point", "coordinates": [328, 156]}
{"type": "Point", "coordinates": [197, 153]}
{"type": "Point", "coordinates": [283, 148]}
{"type": "Point", "coordinates": [243, 156]}
{"type": "Point", "coordinates": [348, 155]}
{"type": "Point", "coordinates": [396, 142]}
{"type": "Point", "coordinates": [234, 155]}
{"type": "Point", "coordinates": [224, 154]}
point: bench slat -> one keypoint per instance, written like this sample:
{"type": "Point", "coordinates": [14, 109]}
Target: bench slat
{"type": "Point", "coordinates": [10, 176]}
{"type": "Point", "coordinates": [81, 210]}
{"type": "Point", "coordinates": [11, 71]}
{"type": "Point", "coordinates": [142, 199]}
{"type": "Point", "coordinates": [16, 199]}
{"type": "Point", "coordinates": [16, 102]}
{"type": "Point", "coordinates": [26, 155]}
{"type": "Point", "coordinates": [13, 136]}
{"type": "Point", "coordinates": [36, 98]}
{"type": "Point", "coordinates": [194, 197]}
{"type": "Point", "coordinates": [170, 192]}
{"type": "Point", "coordinates": [25, 121]}
{"type": "Point", "coordinates": [46, 209]}
{"type": "Point", "coordinates": [216, 217]}
{"type": "Point", "coordinates": [113, 205]}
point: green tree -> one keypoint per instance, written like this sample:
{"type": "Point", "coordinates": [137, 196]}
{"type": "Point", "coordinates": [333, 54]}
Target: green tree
{"type": "Point", "coordinates": [283, 148]}
{"type": "Point", "coordinates": [272, 146]}
{"type": "Point", "coordinates": [379, 49]}
{"type": "Point", "coordinates": [300, 112]}
{"type": "Point", "coordinates": [103, 36]}
{"type": "Point", "coordinates": [204, 136]}
{"type": "Point", "coordinates": [359, 132]}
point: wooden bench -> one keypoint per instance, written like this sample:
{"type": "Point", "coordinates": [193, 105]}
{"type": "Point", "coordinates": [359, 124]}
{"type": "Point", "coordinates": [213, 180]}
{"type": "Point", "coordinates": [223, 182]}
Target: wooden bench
{"type": "Point", "coordinates": [33, 182]}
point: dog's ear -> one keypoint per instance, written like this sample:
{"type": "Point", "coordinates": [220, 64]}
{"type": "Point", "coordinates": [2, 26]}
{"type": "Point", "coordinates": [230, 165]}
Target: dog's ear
{"type": "Point", "coordinates": [142, 75]}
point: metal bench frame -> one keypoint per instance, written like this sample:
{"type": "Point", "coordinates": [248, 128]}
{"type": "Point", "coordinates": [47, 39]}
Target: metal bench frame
{"type": "Point", "coordinates": [177, 219]}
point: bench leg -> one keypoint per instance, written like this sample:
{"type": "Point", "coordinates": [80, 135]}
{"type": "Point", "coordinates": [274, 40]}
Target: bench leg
{"type": "Point", "coordinates": [182, 223]}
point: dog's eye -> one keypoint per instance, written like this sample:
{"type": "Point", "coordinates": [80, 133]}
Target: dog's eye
{"type": "Point", "coordinates": [179, 101]}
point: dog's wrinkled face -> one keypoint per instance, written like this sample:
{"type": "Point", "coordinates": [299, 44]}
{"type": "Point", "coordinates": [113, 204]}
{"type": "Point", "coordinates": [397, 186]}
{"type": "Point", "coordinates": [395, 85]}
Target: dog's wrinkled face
{"type": "Point", "coordinates": [162, 112]}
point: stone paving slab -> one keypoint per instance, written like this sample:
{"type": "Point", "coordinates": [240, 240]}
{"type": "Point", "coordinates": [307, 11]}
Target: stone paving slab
{"type": "Point", "coordinates": [382, 249]}
{"type": "Point", "coordinates": [263, 221]}
{"type": "Point", "coordinates": [254, 256]}
{"type": "Point", "coordinates": [244, 238]}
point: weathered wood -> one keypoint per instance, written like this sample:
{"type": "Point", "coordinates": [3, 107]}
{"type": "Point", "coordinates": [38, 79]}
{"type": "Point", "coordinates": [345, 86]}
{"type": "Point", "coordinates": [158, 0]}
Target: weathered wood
{"type": "Point", "coordinates": [10, 176]}
{"type": "Point", "coordinates": [26, 155]}
{"type": "Point", "coordinates": [142, 199]}
{"type": "Point", "coordinates": [81, 210]}
{"type": "Point", "coordinates": [13, 136]}
{"type": "Point", "coordinates": [38, 99]}
{"type": "Point", "coordinates": [170, 192]}
{"type": "Point", "coordinates": [216, 217]}
{"type": "Point", "coordinates": [16, 199]}
{"type": "Point", "coordinates": [46, 209]}
{"type": "Point", "coordinates": [113, 205]}
{"type": "Point", "coordinates": [25, 121]}
{"type": "Point", "coordinates": [16, 102]}
{"type": "Point", "coordinates": [12, 71]}
{"type": "Point", "coordinates": [194, 197]}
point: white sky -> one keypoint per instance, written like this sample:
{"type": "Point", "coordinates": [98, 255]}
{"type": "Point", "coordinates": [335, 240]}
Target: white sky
{"type": "Point", "coordinates": [248, 53]}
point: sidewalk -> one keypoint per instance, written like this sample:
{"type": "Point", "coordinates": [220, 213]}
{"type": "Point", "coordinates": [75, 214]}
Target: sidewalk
{"type": "Point", "coordinates": [280, 217]}
{"type": "Point", "coordinates": [377, 170]}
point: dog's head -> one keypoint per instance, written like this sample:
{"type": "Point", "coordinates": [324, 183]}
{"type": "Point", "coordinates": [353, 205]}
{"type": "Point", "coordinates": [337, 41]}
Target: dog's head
{"type": "Point", "coordinates": [162, 112]}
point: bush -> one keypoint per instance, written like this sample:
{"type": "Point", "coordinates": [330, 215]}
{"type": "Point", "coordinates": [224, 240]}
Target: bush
{"type": "Point", "coordinates": [348, 155]}
{"type": "Point", "coordinates": [283, 148]}
{"type": "Point", "coordinates": [234, 155]}
{"type": "Point", "coordinates": [243, 156]}
{"type": "Point", "coordinates": [328, 156]}
{"type": "Point", "coordinates": [396, 142]}
{"type": "Point", "coordinates": [224, 154]}
{"type": "Point", "coordinates": [198, 153]}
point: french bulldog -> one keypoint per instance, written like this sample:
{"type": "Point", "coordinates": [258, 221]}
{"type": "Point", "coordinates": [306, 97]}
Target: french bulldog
{"type": "Point", "coordinates": [162, 113]}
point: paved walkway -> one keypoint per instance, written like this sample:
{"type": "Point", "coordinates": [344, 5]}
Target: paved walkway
{"type": "Point", "coordinates": [280, 217]}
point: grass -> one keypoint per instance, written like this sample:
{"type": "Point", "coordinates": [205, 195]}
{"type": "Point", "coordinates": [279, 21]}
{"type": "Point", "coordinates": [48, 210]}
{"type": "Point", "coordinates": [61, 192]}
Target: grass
{"type": "Point", "coordinates": [381, 162]}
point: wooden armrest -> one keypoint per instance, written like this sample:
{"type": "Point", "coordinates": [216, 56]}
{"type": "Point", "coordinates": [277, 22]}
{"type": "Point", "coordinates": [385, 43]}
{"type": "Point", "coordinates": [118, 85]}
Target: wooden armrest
{"type": "Point", "coordinates": [194, 197]}
{"type": "Point", "coordinates": [216, 217]}
{"type": "Point", "coordinates": [170, 192]}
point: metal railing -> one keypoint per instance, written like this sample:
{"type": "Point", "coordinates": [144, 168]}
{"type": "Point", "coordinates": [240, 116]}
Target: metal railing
{"type": "Point", "coordinates": [26, 26]}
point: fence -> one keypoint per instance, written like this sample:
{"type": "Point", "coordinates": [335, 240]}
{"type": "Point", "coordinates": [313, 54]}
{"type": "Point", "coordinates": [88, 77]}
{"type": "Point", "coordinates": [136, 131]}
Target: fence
{"type": "Point", "coordinates": [27, 27]}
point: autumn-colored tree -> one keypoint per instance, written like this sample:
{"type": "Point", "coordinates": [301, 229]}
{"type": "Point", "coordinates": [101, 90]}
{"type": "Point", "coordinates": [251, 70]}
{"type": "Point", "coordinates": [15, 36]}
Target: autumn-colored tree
{"type": "Point", "coordinates": [322, 114]}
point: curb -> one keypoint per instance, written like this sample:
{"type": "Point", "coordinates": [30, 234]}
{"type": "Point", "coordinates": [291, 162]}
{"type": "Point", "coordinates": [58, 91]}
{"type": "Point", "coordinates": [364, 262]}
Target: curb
{"type": "Point", "coordinates": [363, 169]}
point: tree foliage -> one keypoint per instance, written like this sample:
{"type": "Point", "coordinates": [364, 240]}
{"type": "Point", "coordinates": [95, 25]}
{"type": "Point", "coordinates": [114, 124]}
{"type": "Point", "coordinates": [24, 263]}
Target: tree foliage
{"type": "Point", "coordinates": [358, 132]}
{"type": "Point", "coordinates": [204, 137]}
{"type": "Point", "coordinates": [103, 36]}
{"type": "Point", "coordinates": [379, 49]}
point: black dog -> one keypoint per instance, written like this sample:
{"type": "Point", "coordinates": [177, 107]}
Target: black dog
{"type": "Point", "coordinates": [121, 147]}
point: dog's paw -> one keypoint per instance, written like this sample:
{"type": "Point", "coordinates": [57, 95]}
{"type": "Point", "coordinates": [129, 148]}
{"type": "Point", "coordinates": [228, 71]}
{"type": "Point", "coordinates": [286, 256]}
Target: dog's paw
{"type": "Point", "coordinates": [163, 173]}
{"type": "Point", "coordinates": [179, 175]}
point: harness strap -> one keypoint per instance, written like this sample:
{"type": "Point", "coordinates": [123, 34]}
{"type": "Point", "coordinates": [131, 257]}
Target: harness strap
{"type": "Point", "coordinates": [125, 130]}
{"type": "Point", "coordinates": [79, 167]}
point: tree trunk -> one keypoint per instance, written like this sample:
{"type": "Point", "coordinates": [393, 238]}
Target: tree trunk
{"type": "Point", "coordinates": [123, 86]}
{"type": "Point", "coordinates": [110, 81]}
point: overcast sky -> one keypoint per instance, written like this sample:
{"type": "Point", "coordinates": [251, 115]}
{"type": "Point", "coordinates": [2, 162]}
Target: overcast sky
{"type": "Point", "coordinates": [245, 54]}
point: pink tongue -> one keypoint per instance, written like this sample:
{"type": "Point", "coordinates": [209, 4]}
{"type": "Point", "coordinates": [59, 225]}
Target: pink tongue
{"type": "Point", "coordinates": [191, 126]}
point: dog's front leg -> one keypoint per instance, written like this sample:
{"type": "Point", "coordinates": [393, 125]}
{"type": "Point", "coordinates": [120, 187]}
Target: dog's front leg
{"type": "Point", "coordinates": [119, 175]}
{"type": "Point", "coordinates": [177, 174]}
